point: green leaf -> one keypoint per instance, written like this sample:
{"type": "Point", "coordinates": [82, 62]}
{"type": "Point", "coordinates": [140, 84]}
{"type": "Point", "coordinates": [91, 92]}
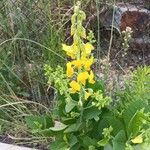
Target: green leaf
{"type": "Point", "coordinates": [91, 113]}
{"type": "Point", "coordinates": [35, 122]}
{"type": "Point", "coordinates": [46, 132]}
{"type": "Point", "coordinates": [103, 142]}
{"type": "Point", "coordinates": [108, 147]}
{"type": "Point", "coordinates": [142, 147]}
{"type": "Point", "coordinates": [49, 120]}
{"type": "Point", "coordinates": [70, 105]}
{"type": "Point", "coordinates": [58, 145]}
{"type": "Point", "coordinates": [136, 123]}
{"type": "Point", "coordinates": [73, 127]}
{"type": "Point", "coordinates": [73, 140]}
{"type": "Point", "coordinates": [110, 120]}
{"type": "Point", "coordinates": [132, 108]}
{"type": "Point", "coordinates": [119, 141]}
{"type": "Point", "coordinates": [58, 126]}
{"type": "Point", "coordinates": [75, 147]}
{"type": "Point", "coordinates": [39, 122]}
{"type": "Point", "coordinates": [67, 120]}
{"type": "Point", "coordinates": [88, 141]}
{"type": "Point", "coordinates": [99, 85]}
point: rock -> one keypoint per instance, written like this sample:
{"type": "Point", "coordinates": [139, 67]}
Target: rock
{"type": "Point", "coordinates": [133, 16]}
{"type": "Point", "coordinates": [141, 43]}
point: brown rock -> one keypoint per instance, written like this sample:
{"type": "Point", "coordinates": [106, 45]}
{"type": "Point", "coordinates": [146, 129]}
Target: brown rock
{"type": "Point", "coordinates": [133, 16]}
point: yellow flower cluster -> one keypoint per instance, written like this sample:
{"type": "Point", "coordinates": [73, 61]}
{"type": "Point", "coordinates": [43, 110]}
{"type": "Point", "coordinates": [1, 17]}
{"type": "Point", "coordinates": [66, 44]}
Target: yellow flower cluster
{"type": "Point", "coordinates": [80, 66]}
{"type": "Point", "coordinates": [73, 50]}
{"type": "Point", "coordinates": [79, 69]}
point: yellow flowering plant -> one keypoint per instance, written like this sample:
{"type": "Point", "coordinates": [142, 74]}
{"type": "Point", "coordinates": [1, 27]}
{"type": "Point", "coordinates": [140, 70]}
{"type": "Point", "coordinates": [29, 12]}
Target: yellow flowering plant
{"type": "Point", "coordinates": [82, 118]}
{"type": "Point", "coordinates": [80, 95]}
{"type": "Point", "coordinates": [83, 109]}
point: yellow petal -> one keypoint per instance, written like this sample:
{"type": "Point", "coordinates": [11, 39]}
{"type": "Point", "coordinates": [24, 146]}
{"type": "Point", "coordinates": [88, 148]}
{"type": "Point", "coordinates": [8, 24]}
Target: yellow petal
{"type": "Point", "coordinates": [137, 140]}
{"type": "Point", "coordinates": [82, 77]}
{"type": "Point", "coordinates": [88, 48]}
{"type": "Point", "coordinates": [66, 47]}
{"type": "Point", "coordinates": [91, 77]}
{"type": "Point", "coordinates": [75, 48]}
{"type": "Point", "coordinates": [72, 55]}
{"type": "Point", "coordinates": [87, 95]}
{"type": "Point", "coordinates": [69, 50]}
{"type": "Point", "coordinates": [70, 70]}
{"type": "Point", "coordinates": [75, 86]}
{"type": "Point", "coordinates": [77, 63]}
{"type": "Point", "coordinates": [88, 63]}
{"type": "Point", "coordinates": [73, 91]}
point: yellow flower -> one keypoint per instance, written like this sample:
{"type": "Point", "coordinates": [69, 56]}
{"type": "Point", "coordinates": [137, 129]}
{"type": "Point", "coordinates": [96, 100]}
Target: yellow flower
{"type": "Point", "coordinates": [91, 77]}
{"type": "Point", "coordinates": [69, 50]}
{"type": "Point", "coordinates": [70, 70]}
{"type": "Point", "coordinates": [77, 63]}
{"type": "Point", "coordinates": [87, 95]}
{"type": "Point", "coordinates": [137, 140]}
{"type": "Point", "coordinates": [82, 77]}
{"type": "Point", "coordinates": [88, 48]}
{"type": "Point", "coordinates": [75, 86]}
{"type": "Point", "coordinates": [88, 63]}
{"type": "Point", "coordinates": [75, 47]}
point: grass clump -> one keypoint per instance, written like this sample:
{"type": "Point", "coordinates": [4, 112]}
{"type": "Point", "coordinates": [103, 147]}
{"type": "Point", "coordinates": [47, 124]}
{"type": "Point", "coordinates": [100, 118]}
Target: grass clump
{"type": "Point", "coordinates": [29, 38]}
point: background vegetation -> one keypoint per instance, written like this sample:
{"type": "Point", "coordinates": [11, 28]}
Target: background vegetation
{"type": "Point", "coordinates": [31, 33]}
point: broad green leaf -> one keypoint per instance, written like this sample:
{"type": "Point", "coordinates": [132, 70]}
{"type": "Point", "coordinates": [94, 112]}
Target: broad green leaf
{"type": "Point", "coordinates": [73, 140]}
{"type": "Point", "coordinates": [91, 113]}
{"type": "Point", "coordinates": [136, 123]}
{"type": "Point", "coordinates": [111, 120]}
{"type": "Point", "coordinates": [49, 120]}
{"type": "Point", "coordinates": [87, 141]}
{"type": "Point", "coordinates": [70, 105]}
{"type": "Point", "coordinates": [143, 146]}
{"type": "Point", "coordinates": [75, 147]}
{"type": "Point", "coordinates": [35, 122]}
{"type": "Point", "coordinates": [119, 141]}
{"type": "Point", "coordinates": [58, 126]}
{"type": "Point", "coordinates": [46, 132]}
{"type": "Point", "coordinates": [108, 147]}
{"type": "Point", "coordinates": [58, 145]}
{"type": "Point", "coordinates": [73, 127]}
{"type": "Point", "coordinates": [132, 108]}
{"type": "Point", "coordinates": [68, 120]}
{"type": "Point", "coordinates": [39, 122]}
